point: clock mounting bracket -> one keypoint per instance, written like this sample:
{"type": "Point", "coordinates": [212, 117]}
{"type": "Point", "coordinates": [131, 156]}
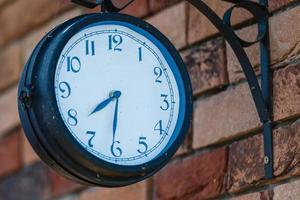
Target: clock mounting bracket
{"type": "Point", "coordinates": [261, 94]}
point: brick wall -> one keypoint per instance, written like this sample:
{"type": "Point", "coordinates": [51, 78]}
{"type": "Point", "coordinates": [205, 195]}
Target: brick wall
{"type": "Point", "coordinates": [223, 153]}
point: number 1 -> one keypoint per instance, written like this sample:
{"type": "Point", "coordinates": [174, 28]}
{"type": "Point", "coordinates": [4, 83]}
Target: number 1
{"type": "Point", "coordinates": [140, 54]}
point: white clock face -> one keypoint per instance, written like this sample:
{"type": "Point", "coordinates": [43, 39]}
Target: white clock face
{"type": "Point", "coordinates": [117, 93]}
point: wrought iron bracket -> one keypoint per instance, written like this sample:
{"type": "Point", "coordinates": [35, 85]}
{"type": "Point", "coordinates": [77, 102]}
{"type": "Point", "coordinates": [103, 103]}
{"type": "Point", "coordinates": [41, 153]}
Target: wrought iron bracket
{"type": "Point", "coordinates": [261, 95]}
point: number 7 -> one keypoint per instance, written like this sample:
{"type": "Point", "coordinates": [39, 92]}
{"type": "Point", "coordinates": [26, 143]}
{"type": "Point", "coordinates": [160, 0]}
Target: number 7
{"type": "Point", "coordinates": [90, 140]}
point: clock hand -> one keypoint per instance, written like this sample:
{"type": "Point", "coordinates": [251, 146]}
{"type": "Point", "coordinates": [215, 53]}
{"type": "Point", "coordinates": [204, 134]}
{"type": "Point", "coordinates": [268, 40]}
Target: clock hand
{"type": "Point", "coordinates": [115, 119]}
{"type": "Point", "coordinates": [112, 95]}
{"type": "Point", "coordinates": [102, 105]}
{"type": "Point", "coordinates": [117, 94]}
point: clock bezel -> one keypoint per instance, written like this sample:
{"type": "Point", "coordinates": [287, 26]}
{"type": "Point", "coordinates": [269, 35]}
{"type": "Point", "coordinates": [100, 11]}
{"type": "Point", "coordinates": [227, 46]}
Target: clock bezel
{"type": "Point", "coordinates": [48, 125]}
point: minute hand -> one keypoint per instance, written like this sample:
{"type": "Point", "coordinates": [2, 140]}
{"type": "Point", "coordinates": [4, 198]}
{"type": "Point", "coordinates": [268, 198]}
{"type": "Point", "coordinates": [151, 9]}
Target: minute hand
{"type": "Point", "coordinates": [115, 119]}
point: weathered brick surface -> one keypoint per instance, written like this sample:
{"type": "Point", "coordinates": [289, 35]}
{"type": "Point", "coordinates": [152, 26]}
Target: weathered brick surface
{"type": "Point", "coordinates": [187, 143]}
{"type": "Point", "coordinates": [182, 180]}
{"type": "Point", "coordinates": [29, 42]}
{"type": "Point", "coordinates": [32, 183]}
{"type": "Point", "coordinates": [286, 92]}
{"type": "Point", "coordinates": [28, 155]}
{"type": "Point", "coordinates": [10, 154]}
{"type": "Point", "coordinates": [246, 158]}
{"type": "Point", "coordinates": [288, 191]}
{"type": "Point", "coordinates": [10, 59]}
{"type": "Point", "coordinates": [223, 116]}
{"type": "Point", "coordinates": [199, 27]}
{"type": "Point", "coordinates": [252, 196]}
{"type": "Point", "coordinates": [61, 185]}
{"type": "Point", "coordinates": [276, 4]}
{"type": "Point", "coordinates": [172, 23]}
{"type": "Point", "coordinates": [207, 65]}
{"type": "Point", "coordinates": [136, 191]}
{"type": "Point", "coordinates": [137, 8]}
{"type": "Point", "coordinates": [16, 24]}
{"type": "Point", "coordinates": [9, 117]}
{"type": "Point", "coordinates": [284, 45]}
{"type": "Point", "coordinates": [265, 195]}
{"type": "Point", "coordinates": [3, 2]}
{"type": "Point", "coordinates": [235, 109]}
{"type": "Point", "coordinates": [156, 5]}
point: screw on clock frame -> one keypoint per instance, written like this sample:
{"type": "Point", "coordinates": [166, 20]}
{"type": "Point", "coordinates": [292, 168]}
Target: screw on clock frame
{"type": "Point", "coordinates": [25, 97]}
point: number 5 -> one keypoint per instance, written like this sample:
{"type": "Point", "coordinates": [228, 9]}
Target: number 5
{"type": "Point", "coordinates": [144, 144]}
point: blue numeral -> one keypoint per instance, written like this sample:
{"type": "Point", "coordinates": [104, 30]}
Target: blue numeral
{"type": "Point", "coordinates": [140, 54]}
{"type": "Point", "coordinates": [158, 127]}
{"type": "Point", "coordinates": [114, 42]}
{"type": "Point", "coordinates": [73, 64]}
{"type": "Point", "coordinates": [65, 88]}
{"type": "Point", "coordinates": [167, 105]}
{"type": "Point", "coordinates": [92, 133]}
{"type": "Point", "coordinates": [88, 48]}
{"type": "Point", "coordinates": [115, 151]}
{"type": "Point", "coordinates": [142, 142]}
{"type": "Point", "coordinates": [72, 120]}
{"type": "Point", "coordinates": [158, 73]}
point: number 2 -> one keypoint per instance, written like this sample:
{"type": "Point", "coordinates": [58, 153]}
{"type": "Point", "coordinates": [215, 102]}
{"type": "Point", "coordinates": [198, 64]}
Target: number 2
{"type": "Point", "coordinates": [158, 73]}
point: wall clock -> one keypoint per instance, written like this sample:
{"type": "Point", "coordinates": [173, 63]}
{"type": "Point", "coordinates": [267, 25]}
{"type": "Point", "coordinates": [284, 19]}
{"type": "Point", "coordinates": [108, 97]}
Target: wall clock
{"type": "Point", "coordinates": [105, 99]}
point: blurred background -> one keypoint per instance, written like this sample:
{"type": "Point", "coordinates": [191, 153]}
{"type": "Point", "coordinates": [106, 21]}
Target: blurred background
{"type": "Point", "coordinates": [222, 156]}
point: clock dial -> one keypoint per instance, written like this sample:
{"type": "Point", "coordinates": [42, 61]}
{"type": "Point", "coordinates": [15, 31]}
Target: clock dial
{"type": "Point", "coordinates": [117, 91]}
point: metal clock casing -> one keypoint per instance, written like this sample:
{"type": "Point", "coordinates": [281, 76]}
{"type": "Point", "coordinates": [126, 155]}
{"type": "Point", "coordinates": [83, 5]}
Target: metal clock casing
{"type": "Point", "coordinates": [44, 126]}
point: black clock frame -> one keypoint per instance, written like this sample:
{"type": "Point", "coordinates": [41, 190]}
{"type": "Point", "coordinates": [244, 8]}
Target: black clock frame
{"type": "Point", "coordinates": [261, 95]}
{"type": "Point", "coordinates": [45, 128]}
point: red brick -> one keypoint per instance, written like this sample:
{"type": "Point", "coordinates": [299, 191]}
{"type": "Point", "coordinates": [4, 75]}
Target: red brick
{"type": "Point", "coordinates": [10, 59]}
{"type": "Point", "coordinates": [20, 17]}
{"type": "Point", "coordinates": [286, 92]}
{"type": "Point", "coordinates": [277, 4]}
{"type": "Point", "coordinates": [206, 64]}
{"type": "Point", "coordinates": [284, 45]}
{"type": "Point", "coordinates": [29, 42]}
{"type": "Point", "coordinates": [28, 154]}
{"type": "Point", "coordinates": [3, 2]}
{"type": "Point", "coordinates": [246, 166]}
{"type": "Point", "coordinates": [10, 154]}
{"type": "Point", "coordinates": [232, 113]}
{"type": "Point", "coordinates": [9, 117]}
{"type": "Point", "coordinates": [156, 5]}
{"type": "Point", "coordinates": [31, 183]}
{"type": "Point", "coordinates": [187, 144]}
{"type": "Point", "coordinates": [61, 185]}
{"type": "Point", "coordinates": [252, 196]}
{"type": "Point", "coordinates": [289, 190]}
{"type": "Point", "coordinates": [223, 116]}
{"type": "Point", "coordinates": [138, 8]}
{"type": "Point", "coordinates": [172, 23]}
{"type": "Point", "coordinates": [136, 191]}
{"type": "Point", "coordinates": [199, 27]}
{"type": "Point", "coordinates": [266, 195]}
{"type": "Point", "coordinates": [197, 177]}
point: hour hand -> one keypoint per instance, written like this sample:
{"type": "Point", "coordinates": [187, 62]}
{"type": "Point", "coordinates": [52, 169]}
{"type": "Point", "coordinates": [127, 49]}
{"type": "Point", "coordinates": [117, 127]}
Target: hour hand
{"type": "Point", "coordinates": [102, 105]}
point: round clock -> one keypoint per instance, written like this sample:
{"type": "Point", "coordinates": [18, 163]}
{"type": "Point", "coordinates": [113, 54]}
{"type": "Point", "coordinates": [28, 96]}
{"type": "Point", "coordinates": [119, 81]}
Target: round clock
{"type": "Point", "coordinates": [105, 99]}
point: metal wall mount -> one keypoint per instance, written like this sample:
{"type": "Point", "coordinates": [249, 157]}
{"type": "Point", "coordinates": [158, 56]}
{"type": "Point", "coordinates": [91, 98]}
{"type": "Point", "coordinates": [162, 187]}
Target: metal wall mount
{"type": "Point", "coordinates": [261, 95]}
